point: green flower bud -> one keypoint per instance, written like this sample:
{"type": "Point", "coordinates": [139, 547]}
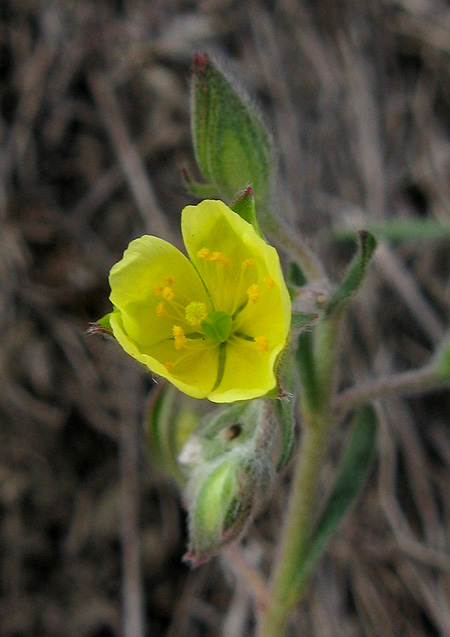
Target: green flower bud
{"type": "Point", "coordinates": [231, 462]}
{"type": "Point", "coordinates": [231, 144]}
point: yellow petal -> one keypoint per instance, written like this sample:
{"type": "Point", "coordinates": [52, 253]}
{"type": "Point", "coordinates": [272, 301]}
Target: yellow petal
{"type": "Point", "coordinates": [136, 281]}
{"type": "Point", "coordinates": [249, 373]}
{"type": "Point", "coordinates": [214, 226]}
{"type": "Point", "coordinates": [193, 371]}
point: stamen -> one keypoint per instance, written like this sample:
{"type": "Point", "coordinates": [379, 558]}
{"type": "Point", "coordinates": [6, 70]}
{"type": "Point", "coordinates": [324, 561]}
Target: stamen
{"type": "Point", "coordinates": [169, 280]}
{"type": "Point", "coordinates": [179, 337]}
{"type": "Point", "coordinates": [204, 253]}
{"type": "Point", "coordinates": [157, 290]}
{"type": "Point", "coordinates": [253, 293]}
{"type": "Point", "coordinates": [160, 309]}
{"type": "Point", "coordinates": [269, 282]}
{"type": "Point", "coordinates": [220, 258]}
{"type": "Point", "coordinates": [195, 313]}
{"type": "Point", "coordinates": [262, 344]}
{"type": "Point", "coordinates": [248, 263]}
{"type": "Point", "coordinates": [168, 293]}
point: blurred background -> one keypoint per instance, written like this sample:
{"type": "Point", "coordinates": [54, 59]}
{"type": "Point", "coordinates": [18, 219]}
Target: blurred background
{"type": "Point", "coordinates": [94, 128]}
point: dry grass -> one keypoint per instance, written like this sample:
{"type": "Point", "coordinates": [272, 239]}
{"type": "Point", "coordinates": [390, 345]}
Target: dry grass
{"type": "Point", "coordinates": [94, 126]}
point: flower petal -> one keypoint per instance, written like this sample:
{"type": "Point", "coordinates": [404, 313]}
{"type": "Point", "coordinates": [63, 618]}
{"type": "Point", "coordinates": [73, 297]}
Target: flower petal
{"type": "Point", "coordinates": [248, 373]}
{"type": "Point", "coordinates": [193, 371]}
{"type": "Point", "coordinates": [211, 225]}
{"type": "Point", "coordinates": [151, 286]}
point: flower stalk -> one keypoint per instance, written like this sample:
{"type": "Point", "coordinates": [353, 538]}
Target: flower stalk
{"type": "Point", "coordinates": [316, 417]}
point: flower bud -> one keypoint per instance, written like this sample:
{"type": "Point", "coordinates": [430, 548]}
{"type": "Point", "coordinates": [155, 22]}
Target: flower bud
{"type": "Point", "coordinates": [231, 144]}
{"type": "Point", "coordinates": [231, 465]}
{"type": "Point", "coordinates": [228, 495]}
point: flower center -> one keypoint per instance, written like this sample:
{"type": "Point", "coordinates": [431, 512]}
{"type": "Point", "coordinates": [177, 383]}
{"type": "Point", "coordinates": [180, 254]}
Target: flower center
{"type": "Point", "coordinates": [217, 326]}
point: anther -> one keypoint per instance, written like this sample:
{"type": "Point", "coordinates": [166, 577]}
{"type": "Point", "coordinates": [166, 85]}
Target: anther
{"type": "Point", "coordinates": [160, 309]}
{"type": "Point", "coordinates": [204, 253]}
{"type": "Point", "coordinates": [269, 282]}
{"type": "Point", "coordinates": [262, 344]}
{"type": "Point", "coordinates": [168, 293]}
{"type": "Point", "coordinates": [179, 337]}
{"type": "Point", "coordinates": [253, 293]}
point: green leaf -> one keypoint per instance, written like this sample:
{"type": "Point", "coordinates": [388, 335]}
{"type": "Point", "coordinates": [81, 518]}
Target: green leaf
{"type": "Point", "coordinates": [295, 275]}
{"type": "Point", "coordinates": [170, 421]}
{"type": "Point", "coordinates": [350, 479]}
{"type": "Point", "coordinates": [355, 274]}
{"type": "Point", "coordinates": [231, 144]}
{"type": "Point", "coordinates": [401, 230]}
{"type": "Point", "coordinates": [300, 320]}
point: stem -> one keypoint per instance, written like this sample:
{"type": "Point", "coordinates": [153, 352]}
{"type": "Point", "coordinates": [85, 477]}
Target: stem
{"type": "Point", "coordinates": [414, 382]}
{"type": "Point", "coordinates": [286, 588]}
{"type": "Point", "coordinates": [295, 533]}
{"type": "Point", "coordinates": [294, 246]}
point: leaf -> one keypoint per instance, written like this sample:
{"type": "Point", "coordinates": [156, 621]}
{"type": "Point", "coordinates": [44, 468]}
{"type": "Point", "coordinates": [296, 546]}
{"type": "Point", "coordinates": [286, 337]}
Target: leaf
{"type": "Point", "coordinates": [299, 320]}
{"type": "Point", "coordinates": [350, 479]}
{"type": "Point", "coordinates": [355, 274]}
{"type": "Point", "coordinates": [401, 230]}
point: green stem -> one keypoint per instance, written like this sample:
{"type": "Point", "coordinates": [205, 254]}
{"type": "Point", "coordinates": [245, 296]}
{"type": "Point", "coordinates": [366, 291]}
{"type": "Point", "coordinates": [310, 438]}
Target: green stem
{"type": "Point", "coordinates": [286, 587]}
{"type": "Point", "coordinates": [415, 382]}
{"type": "Point", "coordinates": [294, 246]}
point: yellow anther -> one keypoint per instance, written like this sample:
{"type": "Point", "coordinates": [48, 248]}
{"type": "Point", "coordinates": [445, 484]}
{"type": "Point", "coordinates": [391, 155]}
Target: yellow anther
{"type": "Point", "coordinates": [169, 280]}
{"type": "Point", "coordinates": [160, 309]}
{"type": "Point", "coordinates": [248, 263]}
{"type": "Point", "coordinates": [158, 290]}
{"type": "Point", "coordinates": [253, 293]}
{"type": "Point", "coordinates": [220, 258]}
{"type": "Point", "coordinates": [179, 337]}
{"type": "Point", "coordinates": [204, 253]}
{"type": "Point", "coordinates": [168, 293]}
{"type": "Point", "coordinates": [195, 313]}
{"type": "Point", "coordinates": [262, 344]}
{"type": "Point", "coordinates": [269, 282]}
{"type": "Point", "coordinates": [168, 366]}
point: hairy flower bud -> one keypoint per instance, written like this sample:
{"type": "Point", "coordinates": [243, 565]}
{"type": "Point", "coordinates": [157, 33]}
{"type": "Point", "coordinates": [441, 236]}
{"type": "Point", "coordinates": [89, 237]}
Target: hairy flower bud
{"type": "Point", "coordinates": [231, 144]}
{"type": "Point", "coordinates": [231, 465]}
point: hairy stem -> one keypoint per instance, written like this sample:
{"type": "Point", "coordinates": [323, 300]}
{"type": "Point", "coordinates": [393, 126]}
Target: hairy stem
{"type": "Point", "coordinates": [286, 587]}
{"type": "Point", "coordinates": [410, 383]}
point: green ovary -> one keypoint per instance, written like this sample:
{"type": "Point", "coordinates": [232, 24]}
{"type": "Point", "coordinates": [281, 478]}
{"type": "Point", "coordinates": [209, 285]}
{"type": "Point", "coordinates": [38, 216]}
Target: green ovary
{"type": "Point", "coordinates": [217, 326]}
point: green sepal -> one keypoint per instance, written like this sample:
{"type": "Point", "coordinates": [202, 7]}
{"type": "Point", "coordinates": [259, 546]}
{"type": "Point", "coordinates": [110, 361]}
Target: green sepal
{"type": "Point", "coordinates": [231, 144]}
{"type": "Point", "coordinates": [350, 479]}
{"type": "Point", "coordinates": [244, 206]}
{"type": "Point", "coordinates": [285, 406]}
{"type": "Point", "coordinates": [102, 326]}
{"type": "Point", "coordinates": [355, 273]}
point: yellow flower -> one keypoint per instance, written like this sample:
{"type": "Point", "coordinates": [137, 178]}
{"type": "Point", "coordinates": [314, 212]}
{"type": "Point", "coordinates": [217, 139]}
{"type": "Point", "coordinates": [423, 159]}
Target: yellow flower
{"type": "Point", "coordinates": [212, 325]}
